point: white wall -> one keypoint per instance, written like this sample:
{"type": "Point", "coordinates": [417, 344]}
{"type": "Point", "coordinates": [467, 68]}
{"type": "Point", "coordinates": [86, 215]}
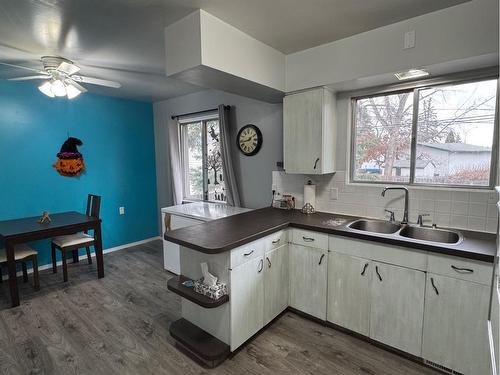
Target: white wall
{"type": "Point", "coordinates": [460, 32]}
{"type": "Point", "coordinates": [253, 172]}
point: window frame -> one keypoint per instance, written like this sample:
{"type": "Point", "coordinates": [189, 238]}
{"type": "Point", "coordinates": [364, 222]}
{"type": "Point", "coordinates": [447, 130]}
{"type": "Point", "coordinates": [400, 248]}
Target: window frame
{"type": "Point", "coordinates": [415, 87]}
{"type": "Point", "coordinates": [183, 155]}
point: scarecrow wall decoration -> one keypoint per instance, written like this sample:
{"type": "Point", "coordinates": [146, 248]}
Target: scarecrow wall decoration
{"type": "Point", "coordinates": [70, 161]}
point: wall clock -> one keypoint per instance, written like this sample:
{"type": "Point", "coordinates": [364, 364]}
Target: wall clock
{"type": "Point", "coordinates": [249, 140]}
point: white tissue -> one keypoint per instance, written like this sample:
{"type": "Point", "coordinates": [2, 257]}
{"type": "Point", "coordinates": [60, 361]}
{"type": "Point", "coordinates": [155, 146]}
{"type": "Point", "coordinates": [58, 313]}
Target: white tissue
{"type": "Point", "coordinates": [208, 278]}
{"type": "Point", "coordinates": [310, 195]}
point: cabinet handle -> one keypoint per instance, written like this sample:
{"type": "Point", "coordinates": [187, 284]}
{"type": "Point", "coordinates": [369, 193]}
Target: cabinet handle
{"type": "Point", "coordinates": [248, 254]}
{"type": "Point", "coordinates": [316, 163]}
{"type": "Point", "coordinates": [378, 274]}
{"type": "Point", "coordinates": [276, 241]}
{"type": "Point", "coordinates": [307, 239]}
{"type": "Point", "coordinates": [261, 265]}
{"type": "Point", "coordinates": [268, 262]}
{"type": "Point", "coordinates": [434, 286]}
{"type": "Point", "coordinates": [462, 270]}
{"type": "Point", "coordinates": [364, 269]}
{"type": "Point", "coordinates": [321, 259]}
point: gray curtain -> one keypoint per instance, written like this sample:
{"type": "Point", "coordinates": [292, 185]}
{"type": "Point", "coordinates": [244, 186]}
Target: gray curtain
{"type": "Point", "coordinates": [232, 194]}
{"type": "Point", "coordinates": [174, 142]}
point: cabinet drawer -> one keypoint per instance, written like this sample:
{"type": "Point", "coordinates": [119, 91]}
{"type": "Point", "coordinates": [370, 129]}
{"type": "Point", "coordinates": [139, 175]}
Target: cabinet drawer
{"type": "Point", "coordinates": [275, 240]}
{"type": "Point", "coordinates": [246, 252]}
{"type": "Point", "coordinates": [397, 255]}
{"type": "Point", "coordinates": [459, 268]}
{"type": "Point", "coordinates": [310, 238]}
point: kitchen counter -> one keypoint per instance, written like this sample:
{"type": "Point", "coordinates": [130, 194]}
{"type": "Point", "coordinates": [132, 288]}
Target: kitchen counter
{"type": "Point", "coordinates": [228, 233]}
{"type": "Point", "coordinates": [205, 211]}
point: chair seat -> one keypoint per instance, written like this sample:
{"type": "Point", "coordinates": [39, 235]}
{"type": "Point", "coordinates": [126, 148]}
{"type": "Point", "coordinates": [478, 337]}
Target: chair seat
{"type": "Point", "coordinates": [73, 239]}
{"type": "Point", "coordinates": [20, 252]}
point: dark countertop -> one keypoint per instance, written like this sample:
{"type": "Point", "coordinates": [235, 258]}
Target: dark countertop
{"type": "Point", "coordinates": [228, 233]}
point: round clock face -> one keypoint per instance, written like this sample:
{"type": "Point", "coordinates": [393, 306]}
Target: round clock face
{"type": "Point", "coordinates": [249, 140]}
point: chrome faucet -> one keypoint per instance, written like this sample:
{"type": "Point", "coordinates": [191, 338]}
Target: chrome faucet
{"type": "Point", "coordinates": [405, 214]}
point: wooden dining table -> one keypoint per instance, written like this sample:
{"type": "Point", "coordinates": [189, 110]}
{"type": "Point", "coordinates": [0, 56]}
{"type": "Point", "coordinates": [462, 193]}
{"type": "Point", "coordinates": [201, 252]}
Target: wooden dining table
{"type": "Point", "coordinates": [17, 231]}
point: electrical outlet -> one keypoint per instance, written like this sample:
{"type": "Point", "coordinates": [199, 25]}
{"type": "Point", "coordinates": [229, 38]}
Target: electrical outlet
{"type": "Point", "coordinates": [334, 194]}
{"type": "Point", "coordinates": [409, 39]}
{"type": "Point", "coordinates": [121, 210]}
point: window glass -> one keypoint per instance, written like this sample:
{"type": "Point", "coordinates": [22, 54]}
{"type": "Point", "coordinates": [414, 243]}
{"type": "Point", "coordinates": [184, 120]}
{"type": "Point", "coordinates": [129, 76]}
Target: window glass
{"type": "Point", "coordinates": [455, 134]}
{"type": "Point", "coordinates": [202, 161]}
{"type": "Point", "coordinates": [383, 138]}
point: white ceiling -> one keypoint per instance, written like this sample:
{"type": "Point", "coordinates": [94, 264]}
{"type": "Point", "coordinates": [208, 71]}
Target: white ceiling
{"type": "Point", "coordinates": [122, 40]}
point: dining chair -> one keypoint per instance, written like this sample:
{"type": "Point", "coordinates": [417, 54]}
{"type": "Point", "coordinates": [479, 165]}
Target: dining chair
{"type": "Point", "coordinates": [23, 254]}
{"type": "Point", "coordinates": [74, 242]}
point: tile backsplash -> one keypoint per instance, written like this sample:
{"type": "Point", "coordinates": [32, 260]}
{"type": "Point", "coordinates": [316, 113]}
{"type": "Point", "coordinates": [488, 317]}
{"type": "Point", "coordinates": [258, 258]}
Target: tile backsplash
{"type": "Point", "coordinates": [473, 210]}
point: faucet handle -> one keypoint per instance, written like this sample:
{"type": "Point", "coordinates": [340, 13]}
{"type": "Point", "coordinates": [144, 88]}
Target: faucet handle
{"type": "Point", "coordinates": [420, 220]}
{"type": "Point", "coordinates": [393, 218]}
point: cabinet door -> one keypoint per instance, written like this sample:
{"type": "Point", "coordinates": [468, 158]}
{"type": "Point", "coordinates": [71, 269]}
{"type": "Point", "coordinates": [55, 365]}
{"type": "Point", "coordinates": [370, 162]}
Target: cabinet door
{"type": "Point", "coordinates": [302, 132]}
{"type": "Point", "coordinates": [455, 328]}
{"type": "Point", "coordinates": [397, 307]}
{"type": "Point", "coordinates": [349, 292]}
{"type": "Point", "coordinates": [308, 273]}
{"type": "Point", "coordinates": [246, 300]}
{"type": "Point", "coordinates": [275, 283]}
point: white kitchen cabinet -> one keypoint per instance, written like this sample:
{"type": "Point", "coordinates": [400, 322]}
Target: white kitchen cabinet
{"type": "Point", "coordinates": [309, 132]}
{"type": "Point", "coordinates": [308, 280]}
{"type": "Point", "coordinates": [247, 300]}
{"type": "Point", "coordinates": [275, 282]}
{"type": "Point", "coordinates": [349, 292]}
{"type": "Point", "coordinates": [397, 307]}
{"type": "Point", "coordinates": [455, 328]}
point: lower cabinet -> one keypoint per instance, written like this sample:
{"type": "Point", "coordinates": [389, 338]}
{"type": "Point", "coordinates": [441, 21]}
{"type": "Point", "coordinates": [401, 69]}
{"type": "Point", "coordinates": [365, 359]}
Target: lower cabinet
{"type": "Point", "coordinates": [308, 280]}
{"type": "Point", "coordinates": [455, 328]}
{"type": "Point", "coordinates": [275, 283]}
{"type": "Point", "coordinates": [349, 292]}
{"type": "Point", "coordinates": [397, 307]}
{"type": "Point", "coordinates": [247, 300]}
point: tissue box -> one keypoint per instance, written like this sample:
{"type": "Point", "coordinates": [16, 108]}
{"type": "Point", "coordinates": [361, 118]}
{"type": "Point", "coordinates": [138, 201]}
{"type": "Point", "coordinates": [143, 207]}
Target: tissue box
{"type": "Point", "coordinates": [214, 292]}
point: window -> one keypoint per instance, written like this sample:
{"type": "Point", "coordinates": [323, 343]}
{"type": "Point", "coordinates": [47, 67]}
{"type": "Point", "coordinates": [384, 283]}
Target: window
{"type": "Point", "coordinates": [202, 161]}
{"type": "Point", "coordinates": [433, 135]}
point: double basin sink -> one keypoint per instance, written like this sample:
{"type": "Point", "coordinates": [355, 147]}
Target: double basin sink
{"type": "Point", "coordinates": [408, 231]}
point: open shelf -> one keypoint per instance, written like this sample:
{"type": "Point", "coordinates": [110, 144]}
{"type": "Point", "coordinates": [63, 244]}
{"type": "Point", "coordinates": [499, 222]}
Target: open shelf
{"type": "Point", "coordinates": [175, 285]}
{"type": "Point", "coordinates": [199, 343]}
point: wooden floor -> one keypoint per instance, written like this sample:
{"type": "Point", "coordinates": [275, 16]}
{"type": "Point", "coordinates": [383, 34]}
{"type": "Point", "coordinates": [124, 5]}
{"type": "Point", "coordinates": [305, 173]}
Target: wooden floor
{"type": "Point", "coordinates": [119, 325]}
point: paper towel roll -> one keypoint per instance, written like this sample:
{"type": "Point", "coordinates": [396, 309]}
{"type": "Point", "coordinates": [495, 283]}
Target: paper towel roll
{"type": "Point", "coordinates": [310, 195]}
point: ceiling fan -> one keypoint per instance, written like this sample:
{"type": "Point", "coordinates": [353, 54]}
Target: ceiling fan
{"type": "Point", "coordinates": [61, 77]}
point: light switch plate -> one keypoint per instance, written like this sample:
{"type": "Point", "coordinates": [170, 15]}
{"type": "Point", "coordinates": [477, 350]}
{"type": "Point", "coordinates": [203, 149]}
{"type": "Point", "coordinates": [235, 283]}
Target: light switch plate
{"type": "Point", "coordinates": [409, 39]}
{"type": "Point", "coordinates": [121, 210]}
{"type": "Point", "coordinates": [334, 194]}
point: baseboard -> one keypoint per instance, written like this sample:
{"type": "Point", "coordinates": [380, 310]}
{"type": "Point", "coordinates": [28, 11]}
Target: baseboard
{"type": "Point", "coordinates": [84, 257]}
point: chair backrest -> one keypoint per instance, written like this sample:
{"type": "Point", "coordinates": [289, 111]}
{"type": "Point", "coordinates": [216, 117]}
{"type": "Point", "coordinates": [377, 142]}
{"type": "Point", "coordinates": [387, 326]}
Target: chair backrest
{"type": "Point", "coordinates": [93, 205]}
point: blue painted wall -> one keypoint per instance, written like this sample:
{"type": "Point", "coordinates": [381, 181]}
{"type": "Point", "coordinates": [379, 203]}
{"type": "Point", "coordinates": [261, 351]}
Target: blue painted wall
{"type": "Point", "coordinates": [118, 150]}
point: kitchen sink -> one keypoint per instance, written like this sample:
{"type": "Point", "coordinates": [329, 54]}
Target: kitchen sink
{"type": "Point", "coordinates": [376, 226]}
{"type": "Point", "coordinates": [430, 234]}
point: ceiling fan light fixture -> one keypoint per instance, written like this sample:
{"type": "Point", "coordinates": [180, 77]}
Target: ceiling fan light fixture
{"type": "Point", "coordinates": [72, 92]}
{"type": "Point", "coordinates": [58, 87]}
{"type": "Point", "coordinates": [46, 88]}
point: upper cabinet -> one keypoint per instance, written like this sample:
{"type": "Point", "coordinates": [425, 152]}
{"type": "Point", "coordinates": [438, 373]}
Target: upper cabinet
{"type": "Point", "coordinates": [309, 132]}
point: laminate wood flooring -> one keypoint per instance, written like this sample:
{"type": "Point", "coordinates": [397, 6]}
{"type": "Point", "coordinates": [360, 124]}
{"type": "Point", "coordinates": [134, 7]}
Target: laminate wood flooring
{"type": "Point", "coordinates": [119, 325]}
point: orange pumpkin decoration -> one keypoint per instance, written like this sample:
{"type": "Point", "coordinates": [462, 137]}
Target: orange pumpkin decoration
{"type": "Point", "coordinates": [70, 161]}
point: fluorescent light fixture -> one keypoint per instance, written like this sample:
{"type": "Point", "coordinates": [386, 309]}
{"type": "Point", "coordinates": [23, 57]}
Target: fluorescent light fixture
{"type": "Point", "coordinates": [46, 88]}
{"type": "Point", "coordinates": [411, 74]}
{"type": "Point", "coordinates": [58, 88]}
{"type": "Point", "coordinates": [72, 91]}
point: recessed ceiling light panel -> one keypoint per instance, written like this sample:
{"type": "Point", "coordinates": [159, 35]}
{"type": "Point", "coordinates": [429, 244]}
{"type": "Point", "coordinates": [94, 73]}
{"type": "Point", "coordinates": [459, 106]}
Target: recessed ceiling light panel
{"type": "Point", "coordinates": [411, 74]}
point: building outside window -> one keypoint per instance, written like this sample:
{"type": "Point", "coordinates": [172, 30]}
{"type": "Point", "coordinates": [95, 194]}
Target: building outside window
{"type": "Point", "coordinates": [202, 160]}
{"type": "Point", "coordinates": [436, 135]}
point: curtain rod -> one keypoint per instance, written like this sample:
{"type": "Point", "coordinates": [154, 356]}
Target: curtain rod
{"type": "Point", "coordinates": [199, 112]}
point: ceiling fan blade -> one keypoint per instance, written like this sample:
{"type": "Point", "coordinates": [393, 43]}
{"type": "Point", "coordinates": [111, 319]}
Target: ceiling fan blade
{"type": "Point", "coordinates": [67, 68]}
{"type": "Point", "coordinates": [97, 81]}
{"type": "Point", "coordinates": [28, 78]}
{"type": "Point", "coordinates": [77, 86]}
{"type": "Point", "coordinates": [24, 67]}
